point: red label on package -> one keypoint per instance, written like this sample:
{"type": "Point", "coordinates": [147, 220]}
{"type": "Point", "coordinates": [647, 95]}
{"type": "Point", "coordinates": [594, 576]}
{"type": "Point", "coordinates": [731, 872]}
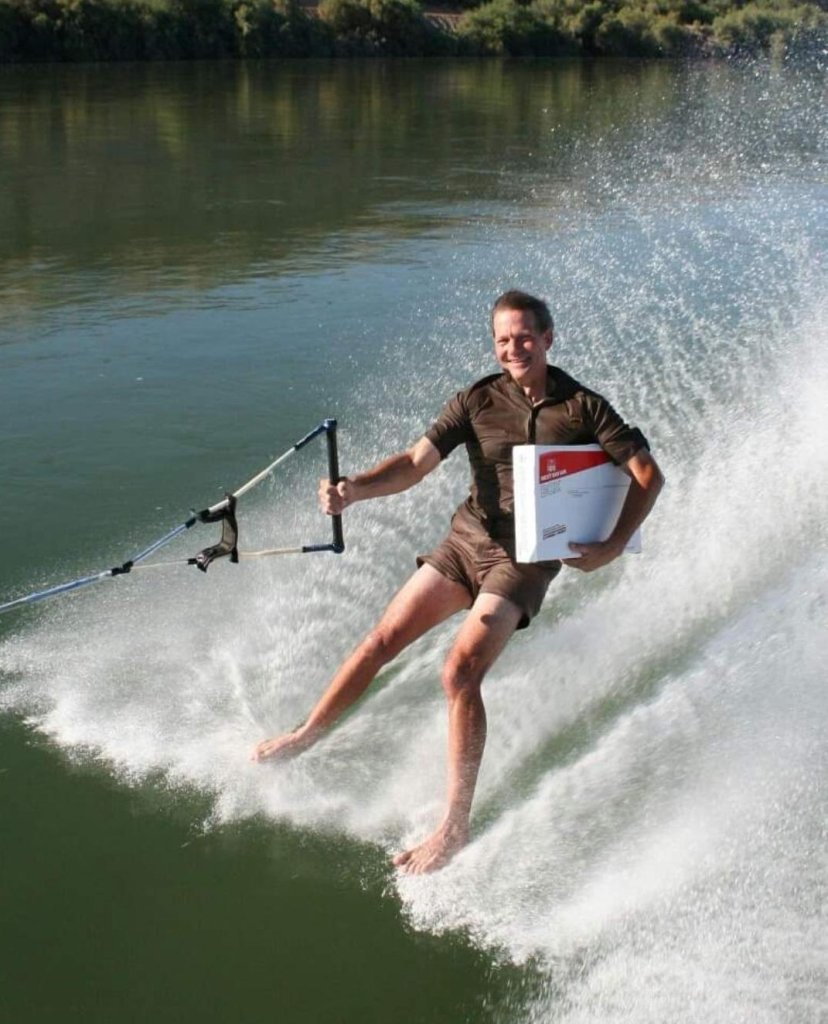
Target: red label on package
{"type": "Point", "coordinates": [555, 465]}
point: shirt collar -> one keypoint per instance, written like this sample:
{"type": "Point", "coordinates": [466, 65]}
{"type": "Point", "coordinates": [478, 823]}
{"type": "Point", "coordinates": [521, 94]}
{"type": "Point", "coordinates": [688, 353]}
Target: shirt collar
{"type": "Point", "coordinates": [552, 375]}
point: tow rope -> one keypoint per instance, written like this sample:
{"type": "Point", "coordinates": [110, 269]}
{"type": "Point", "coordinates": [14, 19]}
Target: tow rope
{"type": "Point", "coordinates": [223, 512]}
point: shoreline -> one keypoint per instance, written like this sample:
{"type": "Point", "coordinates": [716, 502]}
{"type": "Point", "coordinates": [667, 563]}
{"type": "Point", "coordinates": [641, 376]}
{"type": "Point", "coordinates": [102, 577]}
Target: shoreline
{"type": "Point", "coordinates": [116, 31]}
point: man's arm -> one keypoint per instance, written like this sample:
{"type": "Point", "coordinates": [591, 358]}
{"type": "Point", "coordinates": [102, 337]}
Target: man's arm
{"type": "Point", "coordinates": [391, 476]}
{"type": "Point", "coordinates": [645, 486]}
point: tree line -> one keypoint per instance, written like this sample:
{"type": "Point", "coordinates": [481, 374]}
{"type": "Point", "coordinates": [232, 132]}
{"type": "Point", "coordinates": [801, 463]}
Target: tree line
{"type": "Point", "coordinates": [111, 30]}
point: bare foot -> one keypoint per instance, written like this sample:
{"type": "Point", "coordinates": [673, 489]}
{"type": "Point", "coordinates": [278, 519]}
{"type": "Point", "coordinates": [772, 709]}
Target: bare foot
{"type": "Point", "coordinates": [282, 747]}
{"type": "Point", "coordinates": [435, 852]}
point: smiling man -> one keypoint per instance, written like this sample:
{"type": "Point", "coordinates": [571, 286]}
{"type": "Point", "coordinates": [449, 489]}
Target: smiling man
{"type": "Point", "coordinates": [473, 569]}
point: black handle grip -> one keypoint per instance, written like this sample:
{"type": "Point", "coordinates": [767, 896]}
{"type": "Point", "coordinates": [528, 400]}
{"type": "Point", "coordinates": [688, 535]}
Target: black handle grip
{"type": "Point", "coordinates": [334, 477]}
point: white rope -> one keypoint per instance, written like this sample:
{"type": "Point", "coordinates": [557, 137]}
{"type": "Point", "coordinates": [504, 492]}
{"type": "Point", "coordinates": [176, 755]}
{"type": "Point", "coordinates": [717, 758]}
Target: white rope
{"type": "Point", "coordinates": [269, 551]}
{"type": "Point", "coordinates": [243, 556]}
{"type": "Point", "coordinates": [260, 476]}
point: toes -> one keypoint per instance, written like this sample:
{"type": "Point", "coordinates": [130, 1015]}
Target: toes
{"type": "Point", "coordinates": [423, 865]}
{"type": "Point", "coordinates": [412, 867]}
{"type": "Point", "coordinates": [267, 750]}
{"type": "Point", "coordinates": [415, 862]}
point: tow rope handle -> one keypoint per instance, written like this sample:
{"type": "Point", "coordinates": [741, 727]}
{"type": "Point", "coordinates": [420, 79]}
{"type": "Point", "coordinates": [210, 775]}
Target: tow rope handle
{"type": "Point", "coordinates": [333, 475]}
{"type": "Point", "coordinates": [337, 544]}
{"type": "Point", "coordinates": [223, 512]}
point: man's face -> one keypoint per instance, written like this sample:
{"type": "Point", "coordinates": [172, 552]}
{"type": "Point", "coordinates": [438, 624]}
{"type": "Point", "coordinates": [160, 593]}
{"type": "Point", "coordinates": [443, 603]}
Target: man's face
{"type": "Point", "coordinates": [520, 347]}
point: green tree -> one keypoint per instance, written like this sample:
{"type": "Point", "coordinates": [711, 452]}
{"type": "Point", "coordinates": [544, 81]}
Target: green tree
{"type": "Point", "coordinates": [507, 27]}
{"type": "Point", "coordinates": [394, 27]}
{"type": "Point", "coordinates": [764, 27]}
{"type": "Point", "coordinates": [192, 28]}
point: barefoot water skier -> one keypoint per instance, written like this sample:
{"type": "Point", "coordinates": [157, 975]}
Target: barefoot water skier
{"type": "Point", "coordinates": [473, 569]}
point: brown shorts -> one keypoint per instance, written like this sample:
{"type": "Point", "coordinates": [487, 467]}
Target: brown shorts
{"type": "Point", "coordinates": [483, 565]}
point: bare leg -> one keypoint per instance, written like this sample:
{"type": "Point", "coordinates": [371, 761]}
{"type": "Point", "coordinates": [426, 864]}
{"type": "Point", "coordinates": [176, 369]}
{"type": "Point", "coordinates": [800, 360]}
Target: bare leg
{"type": "Point", "coordinates": [482, 637]}
{"type": "Point", "coordinates": [424, 601]}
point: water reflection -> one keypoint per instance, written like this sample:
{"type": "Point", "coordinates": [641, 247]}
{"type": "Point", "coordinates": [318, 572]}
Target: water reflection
{"type": "Point", "coordinates": [126, 181]}
{"type": "Point", "coordinates": [191, 174]}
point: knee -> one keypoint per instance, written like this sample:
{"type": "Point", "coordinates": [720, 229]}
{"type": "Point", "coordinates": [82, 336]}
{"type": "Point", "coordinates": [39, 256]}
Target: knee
{"type": "Point", "coordinates": [381, 645]}
{"type": "Point", "coordinates": [462, 676]}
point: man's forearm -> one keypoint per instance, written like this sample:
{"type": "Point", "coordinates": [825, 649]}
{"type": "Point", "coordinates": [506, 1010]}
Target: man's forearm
{"type": "Point", "coordinates": [391, 476]}
{"type": "Point", "coordinates": [395, 474]}
{"type": "Point", "coordinates": [637, 507]}
{"type": "Point", "coordinates": [645, 487]}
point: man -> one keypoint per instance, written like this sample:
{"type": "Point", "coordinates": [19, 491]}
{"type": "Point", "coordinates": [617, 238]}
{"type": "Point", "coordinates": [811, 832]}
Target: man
{"type": "Point", "coordinates": [474, 568]}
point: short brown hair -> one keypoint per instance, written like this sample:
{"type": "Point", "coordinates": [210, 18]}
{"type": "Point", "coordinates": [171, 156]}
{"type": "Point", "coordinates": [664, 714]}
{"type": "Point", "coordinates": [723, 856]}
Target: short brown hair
{"type": "Point", "coordinates": [524, 302]}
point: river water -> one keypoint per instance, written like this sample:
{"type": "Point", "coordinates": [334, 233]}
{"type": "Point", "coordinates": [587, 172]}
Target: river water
{"type": "Point", "coordinates": [199, 263]}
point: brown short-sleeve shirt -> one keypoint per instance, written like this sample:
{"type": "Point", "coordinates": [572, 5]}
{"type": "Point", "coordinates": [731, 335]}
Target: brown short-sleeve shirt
{"type": "Point", "coordinates": [494, 415]}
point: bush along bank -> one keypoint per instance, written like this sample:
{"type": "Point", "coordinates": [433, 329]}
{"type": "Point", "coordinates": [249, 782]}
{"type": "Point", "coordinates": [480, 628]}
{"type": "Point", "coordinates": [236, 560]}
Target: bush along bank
{"type": "Point", "coordinates": [647, 28]}
{"type": "Point", "coordinates": [94, 30]}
